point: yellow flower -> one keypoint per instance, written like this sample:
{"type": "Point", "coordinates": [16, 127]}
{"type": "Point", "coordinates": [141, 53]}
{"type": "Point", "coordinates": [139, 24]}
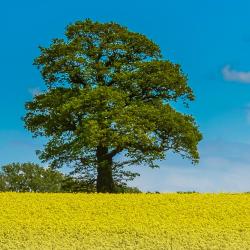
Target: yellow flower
{"type": "Point", "coordinates": [124, 221]}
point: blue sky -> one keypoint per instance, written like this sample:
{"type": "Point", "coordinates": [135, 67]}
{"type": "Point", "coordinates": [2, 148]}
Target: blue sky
{"type": "Point", "coordinates": [209, 39]}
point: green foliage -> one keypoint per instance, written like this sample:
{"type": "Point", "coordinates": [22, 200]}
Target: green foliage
{"type": "Point", "coordinates": [29, 177]}
{"type": "Point", "coordinates": [126, 189]}
{"type": "Point", "coordinates": [75, 185]}
{"type": "Point", "coordinates": [2, 183]}
{"type": "Point", "coordinates": [109, 91]}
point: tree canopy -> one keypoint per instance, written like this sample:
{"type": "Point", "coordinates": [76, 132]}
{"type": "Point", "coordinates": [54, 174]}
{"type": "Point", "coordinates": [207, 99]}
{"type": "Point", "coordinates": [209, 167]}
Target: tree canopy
{"type": "Point", "coordinates": [29, 177]}
{"type": "Point", "coordinates": [109, 90]}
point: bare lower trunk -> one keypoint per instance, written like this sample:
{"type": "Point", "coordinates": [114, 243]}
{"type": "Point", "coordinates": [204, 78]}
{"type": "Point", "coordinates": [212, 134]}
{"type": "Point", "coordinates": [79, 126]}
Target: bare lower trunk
{"type": "Point", "coordinates": [105, 182]}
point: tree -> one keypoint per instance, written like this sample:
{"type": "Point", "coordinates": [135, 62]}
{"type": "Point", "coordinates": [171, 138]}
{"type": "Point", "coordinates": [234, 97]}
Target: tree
{"type": "Point", "coordinates": [29, 177]}
{"type": "Point", "coordinates": [76, 185]}
{"type": "Point", "coordinates": [126, 189]}
{"type": "Point", "coordinates": [109, 91]}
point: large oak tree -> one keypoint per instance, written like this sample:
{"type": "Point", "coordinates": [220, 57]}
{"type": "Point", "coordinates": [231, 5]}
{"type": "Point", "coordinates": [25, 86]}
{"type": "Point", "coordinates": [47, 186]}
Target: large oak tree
{"type": "Point", "coordinates": [109, 91]}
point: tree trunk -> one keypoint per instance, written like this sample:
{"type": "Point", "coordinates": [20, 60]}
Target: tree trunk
{"type": "Point", "coordinates": [105, 182]}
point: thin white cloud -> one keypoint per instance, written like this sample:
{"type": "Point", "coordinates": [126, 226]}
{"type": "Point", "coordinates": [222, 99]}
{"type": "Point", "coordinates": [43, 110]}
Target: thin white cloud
{"type": "Point", "coordinates": [224, 167]}
{"type": "Point", "coordinates": [34, 91]}
{"type": "Point", "coordinates": [231, 177]}
{"type": "Point", "coordinates": [230, 74]}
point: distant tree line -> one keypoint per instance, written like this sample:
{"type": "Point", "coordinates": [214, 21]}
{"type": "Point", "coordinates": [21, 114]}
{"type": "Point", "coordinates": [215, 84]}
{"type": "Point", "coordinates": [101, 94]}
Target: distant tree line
{"type": "Point", "coordinates": [30, 177]}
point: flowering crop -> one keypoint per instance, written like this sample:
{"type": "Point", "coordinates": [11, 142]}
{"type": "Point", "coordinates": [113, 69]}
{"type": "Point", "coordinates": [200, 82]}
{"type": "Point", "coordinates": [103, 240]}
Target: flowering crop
{"type": "Point", "coordinates": [124, 221]}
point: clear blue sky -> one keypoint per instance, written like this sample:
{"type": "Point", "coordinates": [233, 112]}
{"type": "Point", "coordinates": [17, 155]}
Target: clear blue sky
{"type": "Point", "coordinates": [210, 39]}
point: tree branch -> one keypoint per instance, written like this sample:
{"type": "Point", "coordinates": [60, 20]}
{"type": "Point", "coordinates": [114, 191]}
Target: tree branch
{"type": "Point", "coordinates": [115, 152]}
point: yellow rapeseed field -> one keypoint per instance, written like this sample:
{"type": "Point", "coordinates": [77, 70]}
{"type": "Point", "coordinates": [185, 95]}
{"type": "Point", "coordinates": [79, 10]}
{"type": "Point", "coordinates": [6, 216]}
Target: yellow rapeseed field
{"type": "Point", "coordinates": [124, 221]}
